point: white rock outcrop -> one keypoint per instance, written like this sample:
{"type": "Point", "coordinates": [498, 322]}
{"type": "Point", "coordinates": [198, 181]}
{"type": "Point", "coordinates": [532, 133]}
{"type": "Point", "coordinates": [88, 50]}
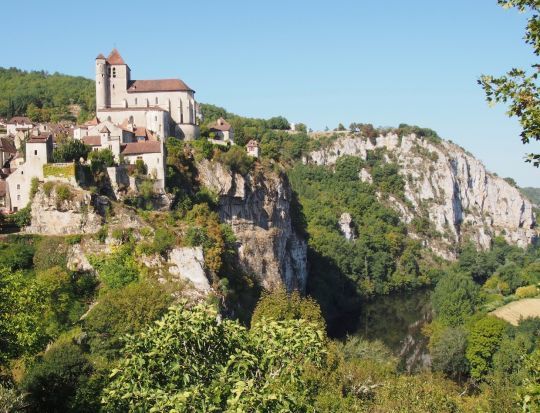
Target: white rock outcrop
{"type": "Point", "coordinates": [188, 263]}
{"type": "Point", "coordinates": [462, 199]}
{"type": "Point", "coordinates": [346, 226]}
{"type": "Point", "coordinates": [258, 208]}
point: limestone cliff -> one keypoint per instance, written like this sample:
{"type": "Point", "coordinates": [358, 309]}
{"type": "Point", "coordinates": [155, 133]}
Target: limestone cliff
{"type": "Point", "coordinates": [459, 197]}
{"type": "Point", "coordinates": [72, 212]}
{"type": "Point", "coordinates": [257, 206]}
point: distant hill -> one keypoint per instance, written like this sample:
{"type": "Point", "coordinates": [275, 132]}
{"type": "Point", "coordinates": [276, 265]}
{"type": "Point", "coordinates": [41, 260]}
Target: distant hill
{"type": "Point", "coordinates": [532, 193]}
{"type": "Point", "coordinates": [45, 97]}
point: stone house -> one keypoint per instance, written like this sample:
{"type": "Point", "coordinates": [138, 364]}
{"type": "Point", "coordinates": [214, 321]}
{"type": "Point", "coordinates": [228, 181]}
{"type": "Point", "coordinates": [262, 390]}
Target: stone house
{"type": "Point", "coordinates": [18, 123]}
{"type": "Point", "coordinates": [252, 148]}
{"type": "Point", "coordinates": [223, 132]}
{"type": "Point", "coordinates": [38, 153]}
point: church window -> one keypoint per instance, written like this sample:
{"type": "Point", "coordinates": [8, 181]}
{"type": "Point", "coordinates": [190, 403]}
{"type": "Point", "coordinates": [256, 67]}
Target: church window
{"type": "Point", "coordinates": [35, 152]}
{"type": "Point", "coordinates": [135, 100]}
{"type": "Point", "coordinates": [156, 100]}
{"type": "Point", "coordinates": [114, 72]}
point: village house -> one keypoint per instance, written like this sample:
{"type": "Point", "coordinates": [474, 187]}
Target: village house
{"type": "Point", "coordinates": [167, 107]}
{"type": "Point", "coordinates": [18, 123]}
{"type": "Point", "coordinates": [38, 153]}
{"type": "Point", "coordinates": [252, 148]}
{"type": "Point", "coordinates": [223, 132]}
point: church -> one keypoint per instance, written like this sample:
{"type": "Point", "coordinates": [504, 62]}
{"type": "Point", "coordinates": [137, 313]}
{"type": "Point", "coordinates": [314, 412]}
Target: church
{"type": "Point", "coordinates": [167, 107]}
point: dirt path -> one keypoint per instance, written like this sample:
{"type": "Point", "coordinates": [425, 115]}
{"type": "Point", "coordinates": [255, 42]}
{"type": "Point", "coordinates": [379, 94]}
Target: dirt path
{"type": "Point", "coordinates": [513, 312]}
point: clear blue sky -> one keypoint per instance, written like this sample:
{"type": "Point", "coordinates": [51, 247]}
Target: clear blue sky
{"type": "Point", "coordinates": [383, 62]}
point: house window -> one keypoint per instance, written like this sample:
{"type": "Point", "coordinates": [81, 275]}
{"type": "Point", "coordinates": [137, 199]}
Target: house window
{"type": "Point", "coordinates": [110, 147]}
{"type": "Point", "coordinates": [35, 152]}
{"type": "Point", "coordinates": [139, 158]}
{"type": "Point", "coordinates": [135, 100]}
{"type": "Point", "coordinates": [18, 186]}
{"type": "Point", "coordinates": [155, 118]}
{"type": "Point", "coordinates": [18, 197]}
{"type": "Point", "coordinates": [114, 72]}
{"type": "Point", "coordinates": [156, 100]}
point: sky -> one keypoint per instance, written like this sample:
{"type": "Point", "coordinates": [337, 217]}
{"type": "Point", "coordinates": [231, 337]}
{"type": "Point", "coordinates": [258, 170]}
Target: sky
{"type": "Point", "coordinates": [383, 62]}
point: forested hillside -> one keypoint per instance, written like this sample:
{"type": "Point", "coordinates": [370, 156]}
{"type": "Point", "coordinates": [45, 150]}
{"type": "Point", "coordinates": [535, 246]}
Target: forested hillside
{"type": "Point", "coordinates": [43, 96]}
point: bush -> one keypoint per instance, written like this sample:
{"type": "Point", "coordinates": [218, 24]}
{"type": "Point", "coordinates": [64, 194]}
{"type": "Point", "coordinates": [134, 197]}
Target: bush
{"type": "Point", "coordinates": [164, 241]}
{"type": "Point", "coordinates": [279, 305]}
{"type": "Point", "coordinates": [70, 151]}
{"type": "Point", "coordinates": [50, 252]}
{"type": "Point", "coordinates": [236, 159]}
{"type": "Point", "coordinates": [16, 256]}
{"type": "Point", "coordinates": [52, 384]}
{"type": "Point", "coordinates": [116, 269]}
{"type": "Point", "coordinates": [124, 311]}
{"type": "Point", "coordinates": [48, 187]}
{"type": "Point", "coordinates": [63, 192]}
{"type": "Point", "coordinates": [527, 292]}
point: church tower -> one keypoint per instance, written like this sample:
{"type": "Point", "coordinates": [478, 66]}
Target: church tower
{"type": "Point", "coordinates": [102, 83]}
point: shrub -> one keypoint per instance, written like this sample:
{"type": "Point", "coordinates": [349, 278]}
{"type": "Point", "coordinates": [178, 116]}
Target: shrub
{"type": "Point", "coordinates": [53, 382]}
{"type": "Point", "coordinates": [34, 187]}
{"type": "Point", "coordinates": [48, 187]}
{"type": "Point", "coordinates": [70, 151]}
{"type": "Point", "coordinates": [116, 269]}
{"type": "Point", "coordinates": [50, 252]}
{"type": "Point", "coordinates": [140, 167]}
{"type": "Point", "coordinates": [16, 256]}
{"type": "Point", "coordinates": [164, 240]}
{"type": "Point", "coordinates": [280, 305]}
{"type": "Point", "coordinates": [63, 192]}
{"type": "Point", "coordinates": [236, 159]}
{"type": "Point", "coordinates": [527, 292]}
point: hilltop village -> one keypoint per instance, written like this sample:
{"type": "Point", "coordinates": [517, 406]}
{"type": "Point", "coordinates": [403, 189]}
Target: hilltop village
{"type": "Point", "coordinates": [133, 120]}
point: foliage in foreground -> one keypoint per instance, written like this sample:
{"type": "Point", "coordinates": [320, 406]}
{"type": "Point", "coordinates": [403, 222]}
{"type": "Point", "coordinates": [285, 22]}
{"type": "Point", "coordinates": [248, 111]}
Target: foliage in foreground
{"type": "Point", "coordinates": [192, 360]}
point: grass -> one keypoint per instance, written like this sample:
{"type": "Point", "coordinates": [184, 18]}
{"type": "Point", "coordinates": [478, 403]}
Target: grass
{"type": "Point", "coordinates": [517, 310]}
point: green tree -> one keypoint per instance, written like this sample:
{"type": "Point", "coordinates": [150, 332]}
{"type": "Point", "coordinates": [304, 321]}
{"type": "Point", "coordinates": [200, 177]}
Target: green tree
{"type": "Point", "coordinates": [193, 361]}
{"type": "Point", "coordinates": [485, 336]}
{"type": "Point", "coordinates": [71, 150]}
{"type": "Point", "coordinates": [519, 88]}
{"type": "Point", "coordinates": [455, 298]}
{"type": "Point", "coordinates": [123, 311]}
{"type": "Point", "coordinates": [447, 349]}
{"type": "Point", "coordinates": [280, 305]}
{"type": "Point", "coordinates": [52, 384]}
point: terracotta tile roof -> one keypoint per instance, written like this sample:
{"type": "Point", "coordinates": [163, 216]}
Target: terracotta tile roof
{"type": "Point", "coordinates": [221, 124]}
{"type": "Point", "coordinates": [161, 85]}
{"type": "Point", "coordinates": [100, 56]}
{"type": "Point", "coordinates": [115, 59]}
{"type": "Point", "coordinates": [39, 139]}
{"type": "Point", "coordinates": [92, 140]}
{"type": "Point", "coordinates": [20, 120]}
{"type": "Point", "coordinates": [7, 145]}
{"type": "Point", "coordinates": [92, 122]}
{"type": "Point", "coordinates": [137, 148]}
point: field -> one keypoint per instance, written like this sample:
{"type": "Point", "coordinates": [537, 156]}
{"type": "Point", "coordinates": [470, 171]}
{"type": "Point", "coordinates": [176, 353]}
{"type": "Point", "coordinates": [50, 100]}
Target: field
{"type": "Point", "coordinates": [513, 312]}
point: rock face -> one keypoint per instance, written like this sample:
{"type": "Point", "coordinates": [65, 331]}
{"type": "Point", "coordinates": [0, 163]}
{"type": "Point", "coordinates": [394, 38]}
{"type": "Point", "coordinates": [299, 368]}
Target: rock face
{"type": "Point", "coordinates": [188, 263]}
{"type": "Point", "coordinates": [460, 198]}
{"type": "Point", "coordinates": [76, 215]}
{"type": "Point", "coordinates": [346, 226]}
{"type": "Point", "coordinates": [258, 208]}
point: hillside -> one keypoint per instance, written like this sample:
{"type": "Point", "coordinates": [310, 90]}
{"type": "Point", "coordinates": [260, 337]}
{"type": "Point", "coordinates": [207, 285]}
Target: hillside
{"type": "Point", "coordinates": [532, 193]}
{"type": "Point", "coordinates": [43, 96]}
